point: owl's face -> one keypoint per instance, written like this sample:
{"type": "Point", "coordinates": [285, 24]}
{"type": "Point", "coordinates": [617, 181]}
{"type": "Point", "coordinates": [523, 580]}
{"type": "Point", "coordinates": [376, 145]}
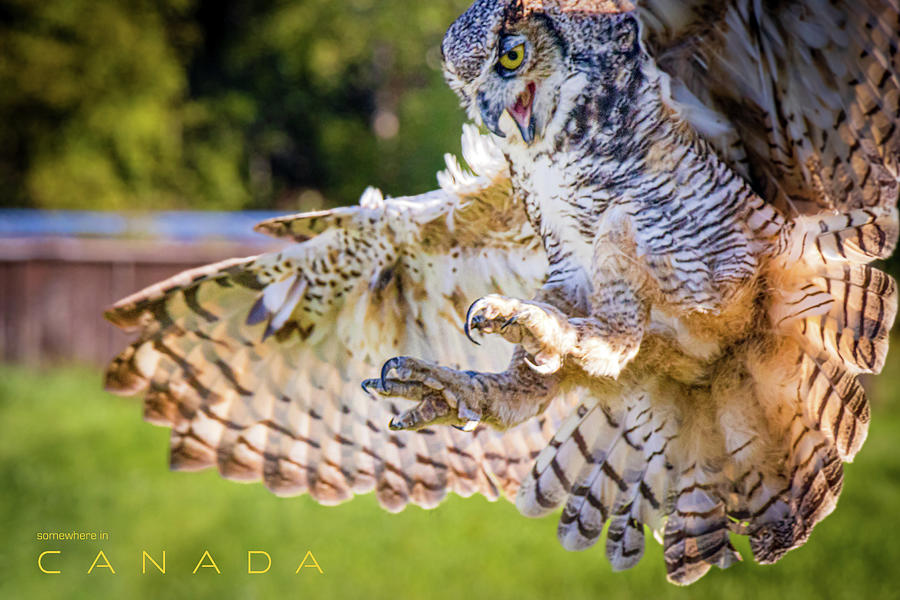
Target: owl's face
{"type": "Point", "coordinates": [506, 58]}
{"type": "Point", "coordinates": [517, 73]}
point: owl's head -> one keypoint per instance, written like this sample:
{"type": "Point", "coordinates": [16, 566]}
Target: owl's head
{"type": "Point", "coordinates": [518, 57]}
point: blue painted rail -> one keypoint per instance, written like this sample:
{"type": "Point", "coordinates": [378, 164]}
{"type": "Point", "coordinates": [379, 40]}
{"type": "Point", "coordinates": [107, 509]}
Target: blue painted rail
{"type": "Point", "coordinates": [180, 226]}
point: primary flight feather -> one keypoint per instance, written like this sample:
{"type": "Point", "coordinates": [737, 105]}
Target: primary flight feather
{"type": "Point", "coordinates": [666, 235]}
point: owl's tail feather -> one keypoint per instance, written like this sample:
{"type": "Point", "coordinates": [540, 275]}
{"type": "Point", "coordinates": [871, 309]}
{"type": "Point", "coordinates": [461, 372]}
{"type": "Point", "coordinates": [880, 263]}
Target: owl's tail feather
{"type": "Point", "coordinates": [831, 316]}
{"type": "Point", "coordinates": [618, 462]}
{"type": "Point", "coordinates": [696, 533]}
{"type": "Point", "coordinates": [696, 464]}
{"type": "Point", "coordinates": [605, 463]}
{"type": "Point", "coordinates": [790, 501]}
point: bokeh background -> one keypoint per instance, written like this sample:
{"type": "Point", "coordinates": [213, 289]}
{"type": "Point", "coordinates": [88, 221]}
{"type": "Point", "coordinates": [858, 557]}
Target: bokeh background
{"type": "Point", "coordinates": [220, 104]}
{"type": "Point", "coordinates": [141, 137]}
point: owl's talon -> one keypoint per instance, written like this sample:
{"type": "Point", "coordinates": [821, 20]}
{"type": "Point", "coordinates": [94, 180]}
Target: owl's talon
{"type": "Point", "coordinates": [389, 366]}
{"type": "Point", "coordinates": [443, 396]}
{"type": "Point", "coordinates": [536, 327]}
{"type": "Point", "coordinates": [472, 417]}
{"type": "Point", "coordinates": [468, 427]}
{"type": "Point", "coordinates": [431, 410]}
{"type": "Point", "coordinates": [483, 313]}
{"type": "Point", "coordinates": [545, 366]}
{"type": "Point", "coordinates": [471, 322]}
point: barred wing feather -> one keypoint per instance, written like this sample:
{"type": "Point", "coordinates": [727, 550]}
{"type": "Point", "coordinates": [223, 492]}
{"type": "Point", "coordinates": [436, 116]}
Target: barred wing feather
{"type": "Point", "coordinates": [809, 89]}
{"type": "Point", "coordinates": [255, 363]}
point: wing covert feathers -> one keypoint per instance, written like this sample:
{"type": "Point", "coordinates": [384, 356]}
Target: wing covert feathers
{"type": "Point", "coordinates": [255, 363]}
{"type": "Point", "coordinates": [831, 301]}
{"type": "Point", "coordinates": [810, 90]}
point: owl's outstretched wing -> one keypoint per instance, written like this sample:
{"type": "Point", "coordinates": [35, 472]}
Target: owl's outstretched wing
{"type": "Point", "coordinates": [807, 93]}
{"type": "Point", "coordinates": [256, 363]}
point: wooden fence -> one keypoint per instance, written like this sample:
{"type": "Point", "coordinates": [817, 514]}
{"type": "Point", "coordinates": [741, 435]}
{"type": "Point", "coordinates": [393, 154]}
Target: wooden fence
{"type": "Point", "coordinates": [53, 291]}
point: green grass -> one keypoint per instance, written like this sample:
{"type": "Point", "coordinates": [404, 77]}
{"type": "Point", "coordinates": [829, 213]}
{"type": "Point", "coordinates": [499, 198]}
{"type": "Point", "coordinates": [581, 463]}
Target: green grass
{"type": "Point", "coordinates": [72, 457]}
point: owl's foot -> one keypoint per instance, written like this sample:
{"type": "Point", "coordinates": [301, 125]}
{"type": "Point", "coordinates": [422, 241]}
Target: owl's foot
{"type": "Point", "coordinates": [445, 396]}
{"type": "Point", "coordinates": [600, 345]}
{"type": "Point", "coordinates": [542, 330]}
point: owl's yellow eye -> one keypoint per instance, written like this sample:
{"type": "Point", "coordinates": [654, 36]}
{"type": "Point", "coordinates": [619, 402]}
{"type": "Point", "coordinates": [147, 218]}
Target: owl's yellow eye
{"type": "Point", "coordinates": [512, 58]}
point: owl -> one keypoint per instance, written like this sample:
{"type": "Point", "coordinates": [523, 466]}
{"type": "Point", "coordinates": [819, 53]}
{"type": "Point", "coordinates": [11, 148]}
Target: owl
{"type": "Point", "coordinates": [659, 255]}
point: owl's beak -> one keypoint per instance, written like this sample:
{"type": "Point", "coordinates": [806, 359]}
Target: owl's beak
{"type": "Point", "coordinates": [490, 114]}
{"type": "Point", "coordinates": [522, 114]}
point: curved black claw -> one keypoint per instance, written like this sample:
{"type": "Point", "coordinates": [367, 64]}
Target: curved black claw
{"type": "Point", "coordinates": [386, 368]}
{"type": "Point", "coordinates": [468, 427]}
{"type": "Point", "coordinates": [470, 319]}
{"type": "Point", "coordinates": [371, 383]}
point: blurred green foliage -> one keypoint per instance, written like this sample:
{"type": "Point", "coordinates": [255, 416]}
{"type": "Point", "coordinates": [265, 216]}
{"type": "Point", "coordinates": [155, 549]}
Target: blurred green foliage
{"type": "Point", "coordinates": [73, 457]}
{"type": "Point", "coordinates": [226, 104]}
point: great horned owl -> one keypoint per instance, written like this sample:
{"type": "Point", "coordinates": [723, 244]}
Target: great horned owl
{"type": "Point", "coordinates": [679, 202]}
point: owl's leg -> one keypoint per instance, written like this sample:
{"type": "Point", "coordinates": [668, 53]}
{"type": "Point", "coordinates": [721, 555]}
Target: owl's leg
{"type": "Point", "coordinates": [601, 343]}
{"type": "Point", "coordinates": [448, 396]}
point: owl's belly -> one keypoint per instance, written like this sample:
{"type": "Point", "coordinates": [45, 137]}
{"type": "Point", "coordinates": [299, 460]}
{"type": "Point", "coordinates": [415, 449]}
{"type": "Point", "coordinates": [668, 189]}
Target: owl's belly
{"type": "Point", "coordinates": [688, 345]}
{"type": "Point", "coordinates": [681, 332]}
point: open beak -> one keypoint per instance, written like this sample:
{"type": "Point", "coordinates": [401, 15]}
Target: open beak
{"type": "Point", "coordinates": [522, 114]}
